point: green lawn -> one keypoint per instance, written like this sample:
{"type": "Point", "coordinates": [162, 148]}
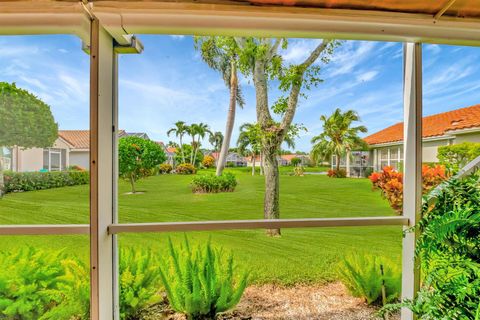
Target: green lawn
{"type": "Point", "coordinates": [300, 255]}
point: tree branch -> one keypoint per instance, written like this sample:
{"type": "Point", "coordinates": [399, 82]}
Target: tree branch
{"type": "Point", "coordinates": [241, 42]}
{"type": "Point", "coordinates": [297, 85]}
{"type": "Point", "coordinates": [273, 50]}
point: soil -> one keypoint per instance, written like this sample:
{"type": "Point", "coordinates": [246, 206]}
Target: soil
{"type": "Point", "coordinates": [270, 302]}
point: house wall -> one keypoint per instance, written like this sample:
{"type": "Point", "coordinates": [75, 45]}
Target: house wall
{"type": "Point", "coordinates": [430, 149]}
{"type": "Point", "coordinates": [469, 137]}
{"type": "Point", "coordinates": [80, 158]}
{"type": "Point", "coordinates": [30, 159]}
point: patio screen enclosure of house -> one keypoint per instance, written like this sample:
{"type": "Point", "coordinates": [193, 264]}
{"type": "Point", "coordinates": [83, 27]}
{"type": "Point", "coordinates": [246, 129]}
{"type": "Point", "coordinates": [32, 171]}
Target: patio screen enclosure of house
{"type": "Point", "coordinates": [105, 39]}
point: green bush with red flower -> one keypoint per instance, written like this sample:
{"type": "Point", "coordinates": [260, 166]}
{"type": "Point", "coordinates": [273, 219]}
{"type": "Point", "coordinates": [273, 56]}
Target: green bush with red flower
{"type": "Point", "coordinates": [390, 183]}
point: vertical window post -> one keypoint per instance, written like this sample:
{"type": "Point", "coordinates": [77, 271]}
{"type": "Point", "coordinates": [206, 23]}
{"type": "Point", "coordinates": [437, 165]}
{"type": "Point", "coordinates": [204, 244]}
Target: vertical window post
{"type": "Point", "coordinates": [412, 194]}
{"type": "Point", "coordinates": [102, 111]}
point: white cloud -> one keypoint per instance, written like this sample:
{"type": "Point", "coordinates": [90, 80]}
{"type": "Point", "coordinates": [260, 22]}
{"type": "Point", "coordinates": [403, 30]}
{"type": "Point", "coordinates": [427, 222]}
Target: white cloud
{"type": "Point", "coordinates": [298, 50]}
{"type": "Point", "coordinates": [349, 56]}
{"type": "Point", "coordinates": [177, 36]}
{"type": "Point", "coordinates": [367, 76]}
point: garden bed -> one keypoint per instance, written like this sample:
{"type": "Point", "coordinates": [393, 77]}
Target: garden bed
{"type": "Point", "coordinates": [270, 302]}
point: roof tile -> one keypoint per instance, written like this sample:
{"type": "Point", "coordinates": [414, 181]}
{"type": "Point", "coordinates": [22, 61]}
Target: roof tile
{"type": "Point", "coordinates": [434, 125]}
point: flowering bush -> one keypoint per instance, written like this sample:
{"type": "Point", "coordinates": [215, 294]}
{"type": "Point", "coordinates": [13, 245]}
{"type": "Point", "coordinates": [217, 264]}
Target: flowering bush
{"type": "Point", "coordinates": [208, 162]}
{"type": "Point", "coordinates": [390, 182]}
{"type": "Point", "coordinates": [165, 168]}
{"type": "Point", "coordinates": [185, 168]}
{"type": "Point", "coordinates": [337, 174]}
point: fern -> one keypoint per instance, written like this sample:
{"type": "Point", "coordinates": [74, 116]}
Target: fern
{"type": "Point", "coordinates": [363, 277]}
{"type": "Point", "coordinates": [139, 281]}
{"type": "Point", "coordinates": [449, 251]}
{"type": "Point", "coordinates": [200, 282]}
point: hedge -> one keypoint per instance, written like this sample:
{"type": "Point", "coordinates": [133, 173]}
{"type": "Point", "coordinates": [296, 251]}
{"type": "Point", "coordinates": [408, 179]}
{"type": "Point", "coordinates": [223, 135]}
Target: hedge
{"type": "Point", "coordinates": [30, 181]}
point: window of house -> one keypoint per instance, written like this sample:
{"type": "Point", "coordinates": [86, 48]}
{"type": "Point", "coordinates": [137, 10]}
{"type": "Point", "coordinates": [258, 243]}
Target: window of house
{"type": "Point", "coordinates": [54, 159]}
{"type": "Point", "coordinates": [383, 158]}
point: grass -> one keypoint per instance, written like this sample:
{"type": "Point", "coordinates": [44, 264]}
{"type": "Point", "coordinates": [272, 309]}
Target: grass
{"type": "Point", "coordinates": [299, 256]}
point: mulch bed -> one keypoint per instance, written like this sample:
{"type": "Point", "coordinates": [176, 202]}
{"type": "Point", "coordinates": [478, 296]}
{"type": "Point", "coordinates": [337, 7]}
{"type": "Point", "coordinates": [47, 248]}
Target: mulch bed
{"type": "Point", "coordinates": [270, 302]}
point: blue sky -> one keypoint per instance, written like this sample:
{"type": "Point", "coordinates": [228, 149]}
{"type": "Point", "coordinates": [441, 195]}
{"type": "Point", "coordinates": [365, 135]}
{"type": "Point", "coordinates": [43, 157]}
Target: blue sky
{"type": "Point", "coordinates": [169, 82]}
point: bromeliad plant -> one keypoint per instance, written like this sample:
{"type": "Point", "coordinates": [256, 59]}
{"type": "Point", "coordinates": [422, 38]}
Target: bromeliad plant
{"type": "Point", "coordinates": [201, 282]}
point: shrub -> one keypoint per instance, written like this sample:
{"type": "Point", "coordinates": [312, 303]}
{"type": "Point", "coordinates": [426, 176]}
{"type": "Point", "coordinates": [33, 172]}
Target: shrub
{"type": "Point", "coordinates": [390, 182]}
{"type": "Point", "coordinates": [75, 168]}
{"type": "Point", "coordinates": [165, 168]}
{"type": "Point", "coordinates": [295, 161]}
{"type": "Point", "coordinates": [299, 171]}
{"type": "Point", "coordinates": [30, 181]}
{"type": "Point", "coordinates": [208, 162]}
{"type": "Point", "coordinates": [456, 156]}
{"type": "Point", "coordinates": [201, 282]}
{"type": "Point", "coordinates": [139, 281]}
{"type": "Point", "coordinates": [211, 183]}
{"type": "Point", "coordinates": [364, 276]}
{"type": "Point", "coordinates": [185, 168]}
{"type": "Point", "coordinates": [36, 284]}
{"type": "Point", "coordinates": [448, 248]}
{"type": "Point", "coordinates": [188, 153]}
{"type": "Point", "coordinates": [332, 173]}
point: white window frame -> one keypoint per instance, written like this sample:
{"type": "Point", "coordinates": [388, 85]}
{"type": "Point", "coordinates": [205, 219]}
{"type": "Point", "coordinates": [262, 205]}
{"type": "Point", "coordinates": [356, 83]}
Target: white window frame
{"type": "Point", "coordinates": [51, 151]}
{"type": "Point", "coordinates": [57, 17]}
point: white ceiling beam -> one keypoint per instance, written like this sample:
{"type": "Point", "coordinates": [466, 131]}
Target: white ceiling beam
{"type": "Point", "coordinates": [181, 18]}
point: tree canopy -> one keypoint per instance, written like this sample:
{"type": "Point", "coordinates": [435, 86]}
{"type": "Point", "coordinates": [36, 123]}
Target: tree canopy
{"type": "Point", "coordinates": [26, 121]}
{"type": "Point", "coordinates": [137, 157]}
{"type": "Point", "coordinates": [338, 136]}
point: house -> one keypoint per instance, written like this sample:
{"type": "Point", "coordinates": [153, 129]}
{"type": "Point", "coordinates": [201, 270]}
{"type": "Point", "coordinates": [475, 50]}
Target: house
{"type": "Point", "coordinates": [442, 129]}
{"type": "Point", "coordinates": [234, 159]}
{"type": "Point", "coordinates": [72, 148]}
{"type": "Point", "coordinates": [447, 128]}
{"type": "Point", "coordinates": [170, 152]}
{"type": "Point", "coordinates": [286, 159]}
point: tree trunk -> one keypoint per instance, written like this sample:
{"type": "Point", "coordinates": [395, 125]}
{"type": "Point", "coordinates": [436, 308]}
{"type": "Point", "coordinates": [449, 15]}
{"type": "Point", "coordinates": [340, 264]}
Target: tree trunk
{"type": "Point", "coordinates": [347, 164]}
{"type": "Point", "coordinates": [337, 162]}
{"type": "Point", "coordinates": [272, 188]}
{"type": "Point", "coordinates": [253, 164]}
{"type": "Point", "coordinates": [2, 182]}
{"type": "Point", "coordinates": [132, 183]}
{"type": "Point", "coordinates": [230, 119]}
{"type": "Point", "coordinates": [181, 149]}
{"type": "Point", "coordinates": [261, 164]}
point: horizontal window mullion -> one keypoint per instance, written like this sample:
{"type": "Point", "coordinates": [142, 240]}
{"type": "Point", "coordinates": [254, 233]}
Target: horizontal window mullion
{"type": "Point", "coordinates": [44, 229]}
{"type": "Point", "coordinates": [256, 224]}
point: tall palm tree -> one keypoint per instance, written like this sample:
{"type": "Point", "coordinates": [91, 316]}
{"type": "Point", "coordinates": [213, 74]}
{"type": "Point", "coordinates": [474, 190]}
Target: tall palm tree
{"type": "Point", "coordinates": [220, 53]}
{"type": "Point", "coordinates": [216, 140]}
{"type": "Point", "coordinates": [180, 130]}
{"type": "Point", "coordinates": [339, 137]}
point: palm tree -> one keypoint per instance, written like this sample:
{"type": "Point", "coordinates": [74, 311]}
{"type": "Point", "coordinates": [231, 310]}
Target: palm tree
{"type": "Point", "coordinates": [220, 53]}
{"type": "Point", "coordinates": [216, 140]}
{"type": "Point", "coordinates": [180, 129]}
{"type": "Point", "coordinates": [249, 142]}
{"type": "Point", "coordinates": [338, 137]}
{"type": "Point", "coordinates": [199, 130]}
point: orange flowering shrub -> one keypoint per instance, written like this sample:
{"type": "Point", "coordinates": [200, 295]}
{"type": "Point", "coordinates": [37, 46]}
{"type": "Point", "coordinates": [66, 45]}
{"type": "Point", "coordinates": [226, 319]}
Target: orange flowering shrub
{"type": "Point", "coordinates": [337, 174]}
{"type": "Point", "coordinates": [390, 182]}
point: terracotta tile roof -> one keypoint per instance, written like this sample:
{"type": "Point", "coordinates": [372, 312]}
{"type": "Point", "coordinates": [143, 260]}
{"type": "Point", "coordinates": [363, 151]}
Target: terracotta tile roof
{"type": "Point", "coordinates": [434, 125]}
{"type": "Point", "coordinates": [171, 149]}
{"type": "Point", "coordinates": [79, 139]}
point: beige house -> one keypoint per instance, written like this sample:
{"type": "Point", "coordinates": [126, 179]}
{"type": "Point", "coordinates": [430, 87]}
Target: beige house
{"type": "Point", "coordinates": [386, 146]}
{"type": "Point", "coordinates": [452, 127]}
{"type": "Point", "coordinates": [70, 148]}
